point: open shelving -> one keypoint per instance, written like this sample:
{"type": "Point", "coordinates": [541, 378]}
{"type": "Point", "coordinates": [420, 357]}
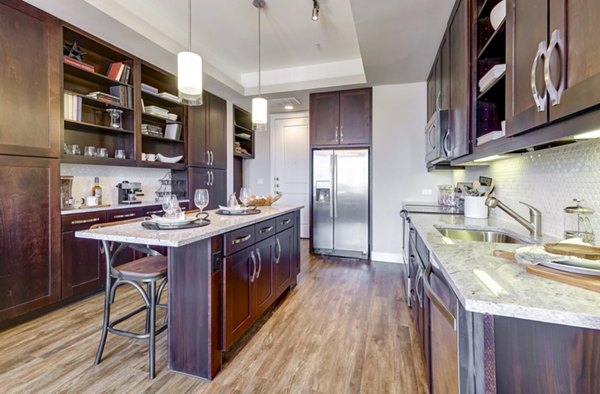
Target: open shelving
{"type": "Point", "coordinates": [243, 133]}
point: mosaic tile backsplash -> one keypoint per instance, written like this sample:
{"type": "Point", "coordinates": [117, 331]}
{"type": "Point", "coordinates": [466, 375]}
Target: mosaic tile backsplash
{"type": "Point", "coordinates": [549, 180]}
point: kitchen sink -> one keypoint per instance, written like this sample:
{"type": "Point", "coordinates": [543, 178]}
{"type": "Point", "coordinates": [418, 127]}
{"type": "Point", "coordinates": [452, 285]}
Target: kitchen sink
{"type": "Point", "coordinates": [498, 236]}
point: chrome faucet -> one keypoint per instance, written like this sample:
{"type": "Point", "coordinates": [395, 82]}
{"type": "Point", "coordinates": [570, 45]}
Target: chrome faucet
{"type": "Point", "coordinates": [534, 224]}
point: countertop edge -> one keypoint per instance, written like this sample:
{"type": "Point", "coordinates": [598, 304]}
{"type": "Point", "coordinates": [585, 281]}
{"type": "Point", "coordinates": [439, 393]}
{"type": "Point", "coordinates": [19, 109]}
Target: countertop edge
{"type": "Point", "coordinates": [66, 212]}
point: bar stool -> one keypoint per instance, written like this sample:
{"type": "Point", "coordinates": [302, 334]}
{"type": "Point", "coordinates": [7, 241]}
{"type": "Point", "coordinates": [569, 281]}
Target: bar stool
{"type": "Point", "coordinates": [147, 270]}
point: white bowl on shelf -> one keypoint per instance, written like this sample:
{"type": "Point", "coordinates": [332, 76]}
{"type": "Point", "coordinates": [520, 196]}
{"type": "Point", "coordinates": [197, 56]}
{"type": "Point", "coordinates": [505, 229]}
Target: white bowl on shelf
{"type": "Point", "coordinates": [166, 159]}
{"type": "Point", "coordinates": [498, 14]}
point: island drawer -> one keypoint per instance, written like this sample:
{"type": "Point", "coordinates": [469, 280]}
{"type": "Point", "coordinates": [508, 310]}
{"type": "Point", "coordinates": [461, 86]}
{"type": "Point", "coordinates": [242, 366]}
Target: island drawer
{"type": "Point", "coordinates": [285, 221]}
{"type": "Point", "coordinates": [82, 221]}
{"type": "Point", "coordinates": [238, 240]}
{"type": "Point", "coordinates": [265, 229]}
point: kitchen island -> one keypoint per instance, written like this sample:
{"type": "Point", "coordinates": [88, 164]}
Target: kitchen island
{"type": "Point", "coordinates": [216, 292]}
{"type": "Point", "coordinates": [507, 330]}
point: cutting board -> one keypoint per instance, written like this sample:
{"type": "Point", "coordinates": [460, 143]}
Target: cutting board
{"type": "Point", "coordinates": [582, 281]}
{"type": "Point", "coordinates": [581, 251]}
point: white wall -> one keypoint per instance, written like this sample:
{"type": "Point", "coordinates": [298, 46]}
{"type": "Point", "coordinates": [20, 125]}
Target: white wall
{"type": "Point", "coordinates": [399, 171]}
{"type": "Point", "coordinates": [257, 172]}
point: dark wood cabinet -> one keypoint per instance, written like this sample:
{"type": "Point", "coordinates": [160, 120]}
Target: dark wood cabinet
{"type": "Point", "coordinates": [207, 133]}
{"type": "Point", "coordinates": [29, 235]}
{"type": "Point", "coordinates": [29, 76]}
{"type": "Point", "coordinates": [284, 260]}
{"type": "Point", "coordinates": [264, 284]}
{"type": "Point", "coordinates": [341, 118]}
{"type": "Point", "coordinates": [214, 180]}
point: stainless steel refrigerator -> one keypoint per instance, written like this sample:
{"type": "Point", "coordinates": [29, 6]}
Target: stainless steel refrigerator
{"type": "Point", "coordinates": [340, 200]}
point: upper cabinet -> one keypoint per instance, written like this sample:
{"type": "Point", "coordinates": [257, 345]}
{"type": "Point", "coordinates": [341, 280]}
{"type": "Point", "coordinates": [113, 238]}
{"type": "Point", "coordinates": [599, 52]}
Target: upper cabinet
{"type": "Point", "coordinates": [207, 133]}
{"type": "Point", "coordinates": [553, 60]}
{"type": "Point", "coordinates": [341, 118]}
{"type": "Point", "coordinates": [30, 81]}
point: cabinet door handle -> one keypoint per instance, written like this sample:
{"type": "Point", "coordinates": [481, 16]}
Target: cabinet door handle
{"type": "Point", "coordinates": [212, 157]}
{"type": "Point", "coordinates": [207, 178]}
{"type": "Point", "coordinates": [154, 212]}
{"type": "Point", "coordinates": [341, 133]}
{"type": "Point", "coordinates": [259, 263]}
{"type": "Point", "coordinates": [554, 93]}
{"type": "Point", "coordinates": [435, 299]}
{"type": "Point", "coordinates": [253, 276]}
{"type": "Point", "coordinates": [447, 144]}
{"type": "Point", "coordinates": [336, 133]}
{"type": "Point", "coordinates": [83, 221]}
{"type": "Point", "coordinates": [207, 157]}
{"type": "Point", "coordinates": [212, 178]}
{"type": "Point", "coordinates": [286, 221]}
{"type": "Point", "coordinates": [125, 215]}
{"type": "Point", "coordinates": [265, 229]}
{"type": "Point", "coordinates": [277, 254]}
{"type": "Point", "coordinates": [240, 240]}
{"type": "Point", "coordinates": [540, 102]}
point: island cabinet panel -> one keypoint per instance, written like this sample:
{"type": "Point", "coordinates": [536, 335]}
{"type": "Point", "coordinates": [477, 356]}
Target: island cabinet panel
{"type": "Point", "coordinates": [29, 235]}
{"type": "Point", "coordinates": [238, 295]}
{"type": "Point", "coordinates": [284, 260]}
{"type": "Point", "coordinates": [29, 79]}
{"type": "Point", "coordinates": [265, 287]}
{"type": "Point", "coordinates": [535, 357]}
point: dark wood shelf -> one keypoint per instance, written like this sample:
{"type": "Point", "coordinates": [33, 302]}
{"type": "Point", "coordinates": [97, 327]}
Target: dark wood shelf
{"type": "Point", "coordinates": [152, 137]}
{"type": "Point", "coordinates": [486, 8]}
{"type": "Point", "coordinates": [84, 126]}
{"type": "Point", "coordinates": [160, 101]}
{"type": "Point", "coordinates": [243, 138]}
{"type": "Point", "coordinates": [91, 76]}
{"type": "Point", "coordinates": [240, 127]}
{"type": "Point", "coordinates": [243, 156]}
{"type": "Point", "coordinates": [158, 164]}
{"type": "Point", "coordinates": [495, 46]}
{"type": "Point", "coordinates": [98, 103]}
{"type": "Point", "coordinates": [495, 91]}
{"type": "Point", "coordinates": [158, 119]}
{"type": "Point", "coordinates": [108, 161]}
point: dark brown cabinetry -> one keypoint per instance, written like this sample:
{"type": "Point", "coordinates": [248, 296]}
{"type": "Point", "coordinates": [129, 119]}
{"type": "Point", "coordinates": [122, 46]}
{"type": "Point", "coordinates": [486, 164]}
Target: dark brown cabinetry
{"type": "Point", "coordinates": [284, 257]}
{"type": "Point", "coordinates": [264, 283]}
{"type": "Point", "coordinates": [238, 298]}
{"type": "Point", "coordinates": [29, 77]}
{"type": "Point", "coordinates": [207, 144]}
{"type": "Point", "coordinates": [214, 180]}
{"type": "Point", "coordinates": [340, 118]}
{"type": "Point", "coordinates": [29, 235]}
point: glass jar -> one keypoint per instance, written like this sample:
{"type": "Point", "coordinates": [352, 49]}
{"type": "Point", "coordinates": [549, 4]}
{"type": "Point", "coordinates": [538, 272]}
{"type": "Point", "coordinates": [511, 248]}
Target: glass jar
{"type": "Point", "coordinates": [578, 223]}
{"type": "Point", "coordinates": [447, 196]}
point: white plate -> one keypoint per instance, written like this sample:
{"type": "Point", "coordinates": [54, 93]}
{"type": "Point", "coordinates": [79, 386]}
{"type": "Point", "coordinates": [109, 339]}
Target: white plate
{"type": "Point", "coordinates": [164, 220]}
{"type": "Point", "coordinates": [166, 159]}
{"type": "Point", "coordinates": [571, 269]}
{"type": "Point", "coordinates": [233, 209]}
{"type": "Point", "coordinates": [498, 14]}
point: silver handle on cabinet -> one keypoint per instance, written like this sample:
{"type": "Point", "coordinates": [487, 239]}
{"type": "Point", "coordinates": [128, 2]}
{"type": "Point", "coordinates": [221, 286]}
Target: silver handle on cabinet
{"type": "Point", "coordinates": [447, 144]}
{"type": "Point", "coordinates": [259, 263]}
{"type": "Point", "coordinates": [154, 212]}
{"type": "Point", "coordinates": [335, 180]}
{"type": "Point", "coordinates": [207, 178]}
{"type": "Point", "coordinates": [253, 276]}
{"type": "Point", "coordinates": [207, 157]}
{"type": "Point", "coordinates": [341, 133]}
{"type": "Point", "coordinates": [212, 158]}
{"type": "Point", "coordinates": [435, 299]}
{"type": "Point", "coordinates": [286, 221]}
{"type": "Point", "coordinates": [240, 240]}
{"type": "Point", "coordinates": [125, 215]}
{"type": "Point", "coordinates": [212, 178]}
{"type": "Point", "coordinates": [336, 133]}
{"type": "Point", "coordinates": [265, 229]}
{"type": "Point", "coordinates": [540, 102]}
{"type": "Point", "coordinates": [331, 176]}
{"type": "Point", "coordinates": [554, 93]}
{"type": "Point", "coordinates": [83, 221]}
{"type": "Point", "coordinates": [277, 254]}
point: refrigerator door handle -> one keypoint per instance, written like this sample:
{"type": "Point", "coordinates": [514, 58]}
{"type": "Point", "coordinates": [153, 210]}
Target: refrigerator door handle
{"type": "Point", "coordinates": [334, 184]}
{"type": "Point", "coordinates": [331, 177]}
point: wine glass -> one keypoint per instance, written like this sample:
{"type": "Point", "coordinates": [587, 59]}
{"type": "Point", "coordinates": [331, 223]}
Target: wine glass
{"type": "Point", "coordinates": [167, 204]}
{"type": "Point", "coordinates": [201, 199]}
{"type": "Point", "coordinates": [244, 196]}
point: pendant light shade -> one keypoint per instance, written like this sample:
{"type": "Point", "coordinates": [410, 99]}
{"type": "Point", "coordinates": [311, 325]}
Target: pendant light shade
{"type": "Point", "coordinates": [259, 110]}
{"type": "Point", "coordinates": [189, 70]}
{"type": "Point", "coordinates": [259, 104]}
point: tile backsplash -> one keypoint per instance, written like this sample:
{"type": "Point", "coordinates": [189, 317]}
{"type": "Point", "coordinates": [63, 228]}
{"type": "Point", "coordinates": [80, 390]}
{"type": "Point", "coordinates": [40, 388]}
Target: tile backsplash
{"type": "Point", "coordinates": [549, 180]}
{"type": "Point", "coordinates": [110, 176]}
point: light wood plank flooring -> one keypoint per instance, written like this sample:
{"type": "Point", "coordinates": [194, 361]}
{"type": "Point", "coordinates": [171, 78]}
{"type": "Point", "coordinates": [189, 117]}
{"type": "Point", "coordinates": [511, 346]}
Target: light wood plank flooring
{"type": "Point", "coordinates": [344, 329]}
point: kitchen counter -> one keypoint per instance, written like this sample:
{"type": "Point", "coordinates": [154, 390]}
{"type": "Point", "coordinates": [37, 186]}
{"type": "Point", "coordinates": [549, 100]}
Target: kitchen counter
{"type": "Point", "coordinates": [524, 296]}
{"type": "Point", "coordinates": [136, 234]}
{"type": "Point", "coordinates": [111, 207]}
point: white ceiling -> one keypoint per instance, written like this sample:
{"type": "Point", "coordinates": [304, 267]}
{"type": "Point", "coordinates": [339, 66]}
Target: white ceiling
{"type": "Point", "coordinates": [354, 43]}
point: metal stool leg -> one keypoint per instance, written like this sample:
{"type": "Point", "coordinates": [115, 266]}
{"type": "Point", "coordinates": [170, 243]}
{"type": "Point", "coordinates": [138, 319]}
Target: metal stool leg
{"type": "Point", "coordinates": [105, 323]}
{"type": "Point", "coordinates": [148, 310]}
{"type": "Point", "coordinates": [151, 339]}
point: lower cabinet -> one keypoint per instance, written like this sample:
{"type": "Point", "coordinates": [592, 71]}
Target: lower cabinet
{"type": "Point", "coordinates": [284, 257]}
{"type": "Point", "coordinates": [264, 284]}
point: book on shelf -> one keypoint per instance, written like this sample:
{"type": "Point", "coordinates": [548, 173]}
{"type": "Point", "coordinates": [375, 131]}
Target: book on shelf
{"type": "Point", "coordinates": [79, 64]}
{"type": "Point", "coordinates": [124, 95]}
{"type": "Point", "coordinates": [149, 88]}
{"type": "Point", "coordinates": [72, 107]}
{"type": "Point", "coordinates": [105, 98]}
{"type": "Point", "coordinates": [119, 71]}
{"type": "Point", "coordinates": [173, 131]}
{"type": "Point", "coordinates": [152, 130]}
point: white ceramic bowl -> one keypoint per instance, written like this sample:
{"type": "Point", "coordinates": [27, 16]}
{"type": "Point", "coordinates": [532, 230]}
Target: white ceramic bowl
{"type": "Point", "coordinates": [498, 14]}
{"type": "Point", "coordinates": [166, 159]}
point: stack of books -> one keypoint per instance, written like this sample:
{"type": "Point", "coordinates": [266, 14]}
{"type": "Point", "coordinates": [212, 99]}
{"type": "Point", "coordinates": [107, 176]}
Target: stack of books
{"type": "Point", "coordinates": [119, 71]}
{"type": "Point", "coordinates": [105, 98]}
{"type": "Point", "coordinates": [157, 111]}
{"type": "Point", "coordinates": [72, 107]}
{"type": "Point", "coordinates": [124, 94]}
{"type": "Point", "coordinates": [148, 129]}
{"type": "Point", "coordinates": [79, 64]}
{"type": "Point", "coordinates": [149, 88]}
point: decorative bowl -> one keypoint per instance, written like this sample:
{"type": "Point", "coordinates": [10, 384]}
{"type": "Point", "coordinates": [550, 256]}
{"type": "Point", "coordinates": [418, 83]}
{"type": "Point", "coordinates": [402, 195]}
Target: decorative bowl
{"type": "Point", "coordinates": [498, 14]}
{"type": "Point", "coordinates": [167, 159]}
{"type": "Point", "coordinates": [264, 201]}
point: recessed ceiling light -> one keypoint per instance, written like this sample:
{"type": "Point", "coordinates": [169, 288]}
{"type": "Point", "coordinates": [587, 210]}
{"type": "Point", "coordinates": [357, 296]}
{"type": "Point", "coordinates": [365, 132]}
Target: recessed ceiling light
{"type": "Point", "coordinates": [289, 107]}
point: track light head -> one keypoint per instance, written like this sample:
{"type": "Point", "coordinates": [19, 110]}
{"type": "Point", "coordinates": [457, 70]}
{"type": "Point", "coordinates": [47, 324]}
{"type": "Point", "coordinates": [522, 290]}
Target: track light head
{"type": "Point", "coordinates": [315, 11]}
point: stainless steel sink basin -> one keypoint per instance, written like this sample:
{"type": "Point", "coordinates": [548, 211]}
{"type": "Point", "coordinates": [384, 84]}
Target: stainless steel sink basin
{"type": "Point", "coordinates": [484, 236]}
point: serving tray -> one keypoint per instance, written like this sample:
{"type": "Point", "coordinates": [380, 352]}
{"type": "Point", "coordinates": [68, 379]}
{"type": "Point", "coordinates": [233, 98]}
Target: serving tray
{"type": "Point", "coordinates": [150, 225]}
{"type": "Point", "coordinates": [241, 213]}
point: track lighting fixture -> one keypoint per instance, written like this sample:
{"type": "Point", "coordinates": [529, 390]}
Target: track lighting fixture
{"type": "Point", "coordinates": [315, 11]}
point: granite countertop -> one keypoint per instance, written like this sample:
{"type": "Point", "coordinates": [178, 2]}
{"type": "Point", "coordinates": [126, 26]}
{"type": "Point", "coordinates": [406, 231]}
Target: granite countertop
{"type": "Point", "coordinates": [136, 234]}
{"type": "Point", "coordinates": [111, 207]}
{"type": "Point", "coordinates": [523, 295]}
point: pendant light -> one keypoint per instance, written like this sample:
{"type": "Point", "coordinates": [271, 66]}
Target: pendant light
{"type": "Point", "coordinates": [315, 11]}
{"type": "Point", "coordinates": [259, 104]}
{"type": "Point", "coordinates": [189, 70]}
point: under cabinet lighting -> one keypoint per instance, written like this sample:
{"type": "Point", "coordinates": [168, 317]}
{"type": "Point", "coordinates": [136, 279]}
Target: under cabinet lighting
{"type": "Point", "coordinates": [588, 135]}
{"type": "Point", "coordinates": [289, 107]}
{"type": "Point", "coordinates": [489, 158]}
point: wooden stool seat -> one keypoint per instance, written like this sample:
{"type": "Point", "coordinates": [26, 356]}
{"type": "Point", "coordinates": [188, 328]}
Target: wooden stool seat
{"type": "Point", "coordinates": [144, 268]}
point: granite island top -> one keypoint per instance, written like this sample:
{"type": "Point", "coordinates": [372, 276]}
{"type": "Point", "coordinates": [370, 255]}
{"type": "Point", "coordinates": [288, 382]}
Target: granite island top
{"type": "Point", "coordinates": [136, 234]}
{"type": "Point", "coordinates": [87, 209]}
{"type": "Point", "coordinates": [522, 295]}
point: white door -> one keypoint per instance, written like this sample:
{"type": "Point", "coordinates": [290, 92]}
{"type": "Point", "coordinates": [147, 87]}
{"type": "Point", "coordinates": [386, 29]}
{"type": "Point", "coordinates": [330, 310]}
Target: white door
{"type": "Point", "coordinates": [291, 163]}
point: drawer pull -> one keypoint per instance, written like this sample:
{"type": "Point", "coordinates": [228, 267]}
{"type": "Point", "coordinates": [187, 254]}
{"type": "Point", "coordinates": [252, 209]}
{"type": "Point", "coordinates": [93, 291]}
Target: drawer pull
{"type": "Point", "coordinates": [240, 240]}
{"type": "Point", "coordinates": [83, 221]}
{"type": "Point", "coordinates": [125, 215]}
{"type": "Point", "coordinates": [286, 221]}
{"type": "Point", "coordinates": [154, 212]}
{"type": "Point", "coordinates": [266, 229]}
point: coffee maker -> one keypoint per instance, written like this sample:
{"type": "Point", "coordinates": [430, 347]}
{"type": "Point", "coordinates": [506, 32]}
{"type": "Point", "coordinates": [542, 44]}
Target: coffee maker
{"type": "Point", "coordinates": [128, 192]}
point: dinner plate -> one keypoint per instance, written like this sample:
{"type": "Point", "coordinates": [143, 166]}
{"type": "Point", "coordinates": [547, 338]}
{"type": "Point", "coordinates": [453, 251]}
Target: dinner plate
{"type": "Point", "coordinates": [164, 220]}
{"type": "Point", "coordinates": [572, 269]}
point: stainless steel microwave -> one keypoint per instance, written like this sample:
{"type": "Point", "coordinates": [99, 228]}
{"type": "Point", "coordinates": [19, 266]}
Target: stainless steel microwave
{"type": "Point", "coordinates": [437, 138]}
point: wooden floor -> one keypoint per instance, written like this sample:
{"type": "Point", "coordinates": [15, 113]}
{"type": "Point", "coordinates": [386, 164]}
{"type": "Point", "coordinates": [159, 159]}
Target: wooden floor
{"type": "Point", "coordinates": [344, 329]}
